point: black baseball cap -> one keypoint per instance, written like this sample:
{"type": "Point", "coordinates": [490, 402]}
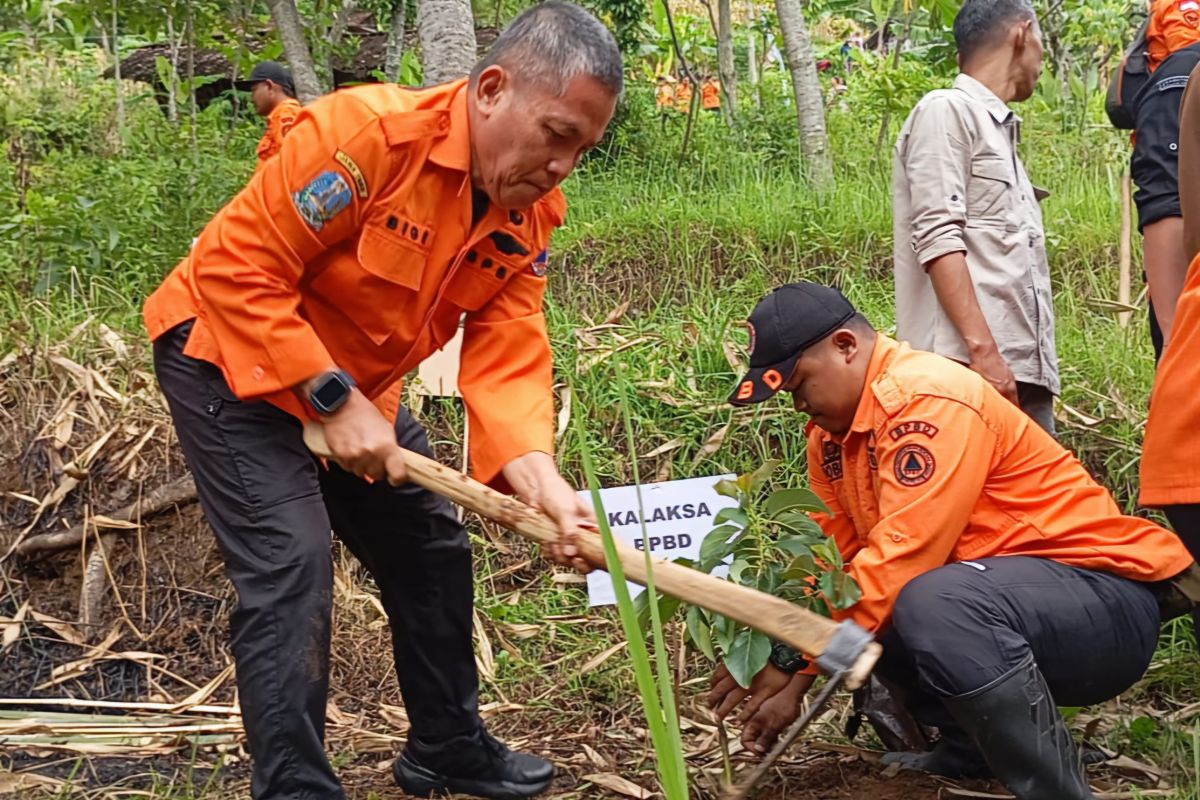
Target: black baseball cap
{"type": "Point", "coordinates": [784, 324]}
{"type": "Point", "coordinates": [271, 71]}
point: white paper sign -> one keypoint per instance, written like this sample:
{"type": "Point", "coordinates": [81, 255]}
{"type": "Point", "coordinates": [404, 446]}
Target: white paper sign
{"type": "Point", "coordinates": [679, 514]}
{"type": "Point", "coordinates": [437, 376]}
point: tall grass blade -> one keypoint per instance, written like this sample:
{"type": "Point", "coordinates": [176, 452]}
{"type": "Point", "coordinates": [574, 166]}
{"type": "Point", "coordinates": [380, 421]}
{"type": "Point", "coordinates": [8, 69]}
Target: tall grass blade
{"type": "Point", "coordinates": [669, 753]}
{"type": "Point", "coordinates": [665, 680]}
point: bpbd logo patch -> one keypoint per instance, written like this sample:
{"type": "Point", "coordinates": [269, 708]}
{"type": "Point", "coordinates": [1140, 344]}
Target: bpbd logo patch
{"type": "Point", "coordinates": [322, 199]}
{"type": "Point", "coordinates": [914, 465]}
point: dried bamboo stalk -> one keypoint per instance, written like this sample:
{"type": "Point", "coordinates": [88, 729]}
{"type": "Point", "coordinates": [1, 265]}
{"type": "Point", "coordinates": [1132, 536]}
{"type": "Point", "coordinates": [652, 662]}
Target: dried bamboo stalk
{"type": "Point", "coordinates": [171, 494]}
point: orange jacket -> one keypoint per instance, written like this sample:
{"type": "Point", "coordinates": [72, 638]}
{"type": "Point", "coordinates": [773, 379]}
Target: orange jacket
{"type": "Point", "coordinates": [1170, 469]}
{"type": "Point", "coordinates": [1174, 24]}
{"type": "Point", "coordinates": [710, 95]}
{"type": "Point", "coordinates": [683, 95]}
{"type": "Point", "coordinates": [279, 122]}
{"type": "Point", "coordinates": [938, 467]}
{"type": "Point", "coordinates": [355, 248]}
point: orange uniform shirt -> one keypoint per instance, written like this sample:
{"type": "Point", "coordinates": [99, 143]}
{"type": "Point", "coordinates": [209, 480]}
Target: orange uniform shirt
{"type": "Point", "coordinates": [710, 95]}
{"type": "Point", "coordinates": [664, 96]}
{"type": "Point", "coordinates": [279, 122]}
{"type": "Point", "coordinates": [1174, 24]}
{"type": "Point", "coordinates": [355, 247]}
{"type": "Point", "coordinates": [683, 96]}
{"type": "Point", "coordinates": [938, 467]}
{"type": "Point", "coordinates": [1170, 469]}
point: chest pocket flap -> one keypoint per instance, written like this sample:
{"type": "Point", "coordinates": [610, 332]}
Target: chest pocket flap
{"type": "Point", "coordinates": [395, 250]}
{"type": "Point", "coordinates": [376, 285]}
{"type": "Point", "coordinates": [487, 268]}
{"type": "Point", "coordinates": [992, 181]}
{"type": "Point", "coordinates": [992, 167]}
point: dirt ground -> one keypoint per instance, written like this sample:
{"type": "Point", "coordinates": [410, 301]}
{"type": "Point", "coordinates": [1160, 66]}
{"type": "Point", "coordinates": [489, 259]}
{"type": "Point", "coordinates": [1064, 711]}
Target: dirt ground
{"type": "Point", "coordinates": [71, 449]}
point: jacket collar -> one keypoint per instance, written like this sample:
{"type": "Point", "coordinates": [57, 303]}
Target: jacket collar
{"type": "Point", "coordinates": [453, 150]}
{"type": "Point", "coordinates": [985, 97]}
{"type": "Point", "coordinates": [881, 357]}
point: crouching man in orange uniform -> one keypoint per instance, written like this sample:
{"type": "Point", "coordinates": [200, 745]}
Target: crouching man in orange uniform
{"type": "Point", "coordinates": [1000, 578]}
{"type": "Point", "coordinates": [387, 217]}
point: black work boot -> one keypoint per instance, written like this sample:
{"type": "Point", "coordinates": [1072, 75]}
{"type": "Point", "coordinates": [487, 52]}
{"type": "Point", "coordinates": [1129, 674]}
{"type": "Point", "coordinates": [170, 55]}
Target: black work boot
{"type": "Point", "coordinates": [1015, 724]}
{"type": "Point", "coordinates": [954, 756]}
{"type": "Point", "coordinates": [475, 764]}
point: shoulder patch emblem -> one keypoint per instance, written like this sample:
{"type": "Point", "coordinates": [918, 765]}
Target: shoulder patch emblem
{"type": "Point", "coordinates": [1173, 82]}
{"type": "Point", "coordinates": [322, 199]}
{"type": "Point", "coordinates": [913, 426]}
{"type": "Point", "coordinates": [360, 180]}
{"type": "Point", "coordinates": [914, 465]}
{"type": "Point", "coordinates": [541, 264]}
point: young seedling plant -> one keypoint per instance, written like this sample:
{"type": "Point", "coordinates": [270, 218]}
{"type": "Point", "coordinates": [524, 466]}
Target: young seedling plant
{"type": "Point", "coordinates": [771, 543]}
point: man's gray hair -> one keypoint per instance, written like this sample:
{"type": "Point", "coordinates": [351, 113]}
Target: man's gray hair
{"type": "Point", "coordinates": [553, 42]}
{"type": "Point", "coordinates": [982, 22]}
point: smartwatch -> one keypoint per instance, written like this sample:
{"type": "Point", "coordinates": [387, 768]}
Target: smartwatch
{"type": "Point", "coordinates": [787, 659]}
{"type": "Point", "coordinates": [330, 392]}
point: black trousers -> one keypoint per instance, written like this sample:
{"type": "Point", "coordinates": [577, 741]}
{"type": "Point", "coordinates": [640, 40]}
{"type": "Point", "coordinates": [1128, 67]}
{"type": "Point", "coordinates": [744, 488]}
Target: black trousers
{"type": "Point", "coordinates": [272, 507]}
{"type": "Point", "coordinates": [959, 627]}
{"type": "Point", "coordinates": [1038, 403]}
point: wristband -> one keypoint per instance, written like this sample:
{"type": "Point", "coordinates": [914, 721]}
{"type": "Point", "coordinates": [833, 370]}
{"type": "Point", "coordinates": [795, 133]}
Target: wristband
{"type": "Point", "coordinates": [787, 659]}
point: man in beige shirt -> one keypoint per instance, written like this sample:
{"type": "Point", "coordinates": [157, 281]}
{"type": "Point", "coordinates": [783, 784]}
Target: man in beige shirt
{"type": "Point", "coordinates": [972, 279]}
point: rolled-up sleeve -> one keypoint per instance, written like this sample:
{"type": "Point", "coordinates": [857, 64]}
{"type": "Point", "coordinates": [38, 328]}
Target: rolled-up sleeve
{"type": "Point", "coordinates": [936, 159]}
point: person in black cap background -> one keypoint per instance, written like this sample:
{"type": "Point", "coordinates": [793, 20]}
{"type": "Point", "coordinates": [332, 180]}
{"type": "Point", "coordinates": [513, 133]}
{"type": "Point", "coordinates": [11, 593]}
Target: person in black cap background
{"type": "Point", "coordinates": [987, 557]}
{"type": "Point", "coordinates": [274, 96]}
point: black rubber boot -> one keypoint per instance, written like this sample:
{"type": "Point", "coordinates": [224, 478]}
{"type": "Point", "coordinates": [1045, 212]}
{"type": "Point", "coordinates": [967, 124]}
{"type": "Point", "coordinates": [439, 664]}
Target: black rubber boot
{"type": "Point", "coordinates": [954, 756]}
{"type": "Point", "coordinates": [476, 765]}
{"type": "Point", "coordinates": [1015, 724]}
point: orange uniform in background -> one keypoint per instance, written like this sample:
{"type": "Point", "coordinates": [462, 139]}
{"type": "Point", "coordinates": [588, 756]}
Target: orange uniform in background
{"type": "Point", "coordinates": [664, 96]}
{"type": "Point", "coordinates": [1174, 24]}
{"type": "Point", "coordinates": [938, 467]}
{"type": "Point", "coordinates": [1170, 473]}
{"type": "Point", "coordinates": [279, 122]}
{"type": "Point", "coordinates": [683, 96]}
{"type": "Point", "coordinates": [355, 248]}
{"type": "Point", "coordinates": [710, 95]}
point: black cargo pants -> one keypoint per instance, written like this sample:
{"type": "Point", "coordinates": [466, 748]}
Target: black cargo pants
{"type": "Point", "coordinates": [958, 628]}
{"type": "Point", "coordinates": [272, 507]}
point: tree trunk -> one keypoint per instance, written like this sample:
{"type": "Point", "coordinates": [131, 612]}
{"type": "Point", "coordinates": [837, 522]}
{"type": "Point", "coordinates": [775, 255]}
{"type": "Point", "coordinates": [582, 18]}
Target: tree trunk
{"type": "Point", "coordinates": [291, 33]}
{"type": "Point", "coordinates": [191, 72]}
{"type": "Point", "coordinates": [810, 108]}
{"type": "Point", "coordinates": [752, 57]}
{"type": "Point", "coordinates": [395, 40]}
{"type": "Point", "coordinates": [116, 52]}
{"type": "Point", "coordinates": [447, 32]}
{"type": "Point", "coordinates": [173, 80]}
{"type": "Point", "coordinates": [725, 65]}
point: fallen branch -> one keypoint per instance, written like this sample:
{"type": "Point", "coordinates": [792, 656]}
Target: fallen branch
{"type": "Point", "coordinates": [175, 493]}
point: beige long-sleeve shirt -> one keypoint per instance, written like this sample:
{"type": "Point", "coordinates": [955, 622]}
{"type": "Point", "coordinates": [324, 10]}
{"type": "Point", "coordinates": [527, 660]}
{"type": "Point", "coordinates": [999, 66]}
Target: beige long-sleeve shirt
{"type": "Point", "coordinates": [958, 185]}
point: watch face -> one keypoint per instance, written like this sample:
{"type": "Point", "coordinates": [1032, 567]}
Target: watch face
{"type": "Point", "coordinates": [331, 390]}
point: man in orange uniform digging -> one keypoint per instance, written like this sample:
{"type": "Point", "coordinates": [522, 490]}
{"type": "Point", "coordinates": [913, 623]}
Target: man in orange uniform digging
{"type": "Point", "coordinates": [274, 97]}
{"type": "Point", "coordinates": [1000, 578]}
{"type": "Point", "coordinates": [387, 217]}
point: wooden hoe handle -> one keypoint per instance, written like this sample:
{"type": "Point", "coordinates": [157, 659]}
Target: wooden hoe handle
{"type": "Point", "coordinates": [797, 627]}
